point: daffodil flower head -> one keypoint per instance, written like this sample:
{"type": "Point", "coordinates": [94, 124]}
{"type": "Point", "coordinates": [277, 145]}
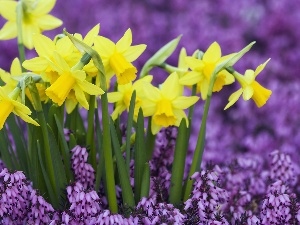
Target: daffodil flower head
{"type": "Point", "coordinates": [117, 58]}
{"type": "Point", "coordinates": [250, 88]}
{"type": "Point", "coordinates": [70, 79]}
{"type": "Point", "coordinates": [123, 96]}
{"type": "Point", "coordinates": [35, 19]}
{"type": "Point", "coordinates": [8, 105]}
{"type": "Point", "coordinates": [202, 71]}
{"type": "Point", "coordinates": [166, 105]}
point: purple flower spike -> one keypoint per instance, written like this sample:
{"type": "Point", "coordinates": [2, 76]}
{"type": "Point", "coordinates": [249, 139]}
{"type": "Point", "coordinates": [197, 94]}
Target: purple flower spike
{"type": "Point", "coordinates": [205, 205]}
{"type": "Point", "coordinates": [106, 218]}
{"type": "Point", "coordinates": [84, 172]}
{"type": "Point", "coordinates": [279, 206]}
{"type": "Point", "coordinates": [282, 167]}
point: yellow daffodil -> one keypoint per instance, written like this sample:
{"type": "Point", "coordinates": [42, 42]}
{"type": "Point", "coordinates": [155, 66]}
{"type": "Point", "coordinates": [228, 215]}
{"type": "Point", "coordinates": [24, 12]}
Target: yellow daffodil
{"type": "Point", "coordinates": [35, 19]}
{"type": "Point", "coordinates": [117, 57]}
{"type": "Point", "coordinates": [250, 88]}
{"type": "Point", "coordinates": [9, 105]}
{"type": "Point", "coordinates": [166, 105]}
{"type": "Point", "coordinates": [11, 80]}
{"type": "Point", "coordinates": [123, 96]}
{"type": "Point", "coordinates": [70, 81]}
{"type": "Point", "coordinates": [45, 49]}
{"type": "Point", "coordinates": [202, 69]}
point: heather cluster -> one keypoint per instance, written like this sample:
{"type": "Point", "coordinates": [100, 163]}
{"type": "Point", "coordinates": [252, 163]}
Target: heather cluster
{"type": "Point", "coordinates": [241, 192]}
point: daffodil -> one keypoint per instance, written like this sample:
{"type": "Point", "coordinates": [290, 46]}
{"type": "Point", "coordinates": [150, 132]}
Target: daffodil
{"type": "Point", "coordinates": [202, 71]}
{"type": "Point", "coordinates": [12, 79]}
{"type": "Point", "coordinates": [45, 48]}
{"type": "Point", "coordinates": [250, 88]}
{"type": "Point", "coordinates": [35, 19]}
{"type": "Point", "coordinates": [117, 57]}
{"type": "Point", "coordinates": [71, 81]}
{"type": "Point", "coordinates": [166, 105]}
{"type": "Point", "coordinates": [122, 97]}
{"type": "Point", "coordinates": [9, 105]}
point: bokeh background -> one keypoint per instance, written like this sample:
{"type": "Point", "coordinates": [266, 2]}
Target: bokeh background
{"type": "Point", "coordinates": [274, 25]}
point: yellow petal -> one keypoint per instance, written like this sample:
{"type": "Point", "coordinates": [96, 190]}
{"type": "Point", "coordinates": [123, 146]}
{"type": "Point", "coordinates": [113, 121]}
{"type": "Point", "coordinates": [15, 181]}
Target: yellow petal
{"type": "Point", "coordinates": [90, 88]}
{"type": "Point", "coordinates": [48, 22]}
{"type": "Point", "coordinates": [180, 115]}
{"type": "Point", "coordinates": [28, 31]}
{"type": "Point", "coordinates": [8, 31]}
{"type": "Point", "coordinates": [25, 117]}
{"type": "Point", "coordinates": [124, 43]}
{"type": "Point", "coordinates": [91, 35]}
{"type": "Point", "coordinates": [183, 102]}
{"type": "Point", "coordinates": [260, 67]}
{"type": "Point", "coordinates": [233, 98]}
{"type": "Point", "coordinates": [213, 53]}
{"type": "Point", "coordinates": [154, 127]}
{"type": "Point", "coordinates": [70, 104]}
{"type": "Point", "coordinates": [171, 88]}
{"type": "Point", "coordinates": [6, 108]}
{"type": "Point", "coordinates": [80, 96]}
{"type": "Point", "coordinates": [181, 60]}
{"type": "Point", "coordinates": [114, 97]}
{"type": "Point", "coordinates": [104, 46]}
{"type": "Point", "coordinates": [43, 45]}
{"type": "Point", "coordinates": [133, 52]}
{"type": "Point", "coordinates": [43, 7]}
{"type": "Point", "coordinates": [204, 88]}
{"type": "Point", "coordinates": [8, 10]}
{"type": "Point", "coordinates": [151, 93]}
{"type": "Point", "coordinates": [118, 110]}
{"type": "Point", "coordinates": [15, 68]}
{"type": "Point", "coordinates": [247, 93]}
{"type": "Point", "coordinates": [193, 63]}
{"type": "Point", "coordinates": [261, 94]}
{"type": "Point", "coordinates": [36, 64]}
{"type": "Point", "coordinates": [190, 78]}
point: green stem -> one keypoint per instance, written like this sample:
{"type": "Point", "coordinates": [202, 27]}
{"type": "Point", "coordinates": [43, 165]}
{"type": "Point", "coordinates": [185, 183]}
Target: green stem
{"type": "Point", "coordinates": [21, 47]}
{"type": "Point", "coordinates": [128, 130]}
{"type": "Point", "coordinates": [108, 161]}
{"type": "Point", "coordinates": [178, 164]}
{"type": "Point", "coordinates": [43, 126]}
{"type": "Point", "coordinates": [150, 141]}
{"type": "Point", "coordinates": [197, 158]}
{"type": "Point", "coordinates": [91, 130]}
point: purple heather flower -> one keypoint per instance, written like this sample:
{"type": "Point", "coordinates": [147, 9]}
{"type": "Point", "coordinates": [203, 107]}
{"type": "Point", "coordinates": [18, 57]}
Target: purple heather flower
{"type": "Point", "coordinates": [277, 207]}
{"type": "Point", "coordinates": [106, 218]}
{"type": "Point", "coordinates": [84, 172]}
{"type": "Point", "coordinates": [282, 167]}
{"type": "Point", "coordinates": [207, 198]}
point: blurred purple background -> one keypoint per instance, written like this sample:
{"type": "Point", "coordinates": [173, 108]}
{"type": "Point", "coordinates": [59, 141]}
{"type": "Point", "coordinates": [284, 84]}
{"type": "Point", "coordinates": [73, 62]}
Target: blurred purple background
{"type": "Point", "coordinates": [272, 24]}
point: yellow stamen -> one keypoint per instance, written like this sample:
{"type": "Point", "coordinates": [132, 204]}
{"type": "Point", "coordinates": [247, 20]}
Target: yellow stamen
{"type": "Point", "coordinates": [123, 69]}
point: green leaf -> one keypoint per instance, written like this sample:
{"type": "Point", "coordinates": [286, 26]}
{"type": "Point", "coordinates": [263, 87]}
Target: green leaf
{"type": "Point", "coordinates": [51, 193]}
{"type": "Point", "coordinates": [160, 56]}
{"type": "Point", "coordinates": [145, 188]}
{"type": "Point", "coordinates": [178, 164]}
{"type": "Point", "coordinates": [5, 148]}
{"type": "Point", "coordinates": [129, 127]}
{"type": "Point", "coordinates": [127, 193]}
{"type": "Point", "coordinates": [139, 156]}
{"type": "Point", "coordinates": [19, 141]}
{"type": "Point", "coordinates": [58, 166]}
{"type": "Point", "coordinates": [65, 151]}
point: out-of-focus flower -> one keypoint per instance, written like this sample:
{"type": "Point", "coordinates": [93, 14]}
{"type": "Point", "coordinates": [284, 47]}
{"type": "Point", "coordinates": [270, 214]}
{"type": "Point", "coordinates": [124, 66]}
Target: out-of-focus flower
{"type": "Point", "coordinates": [250, 88]}
{"type": "Point", "coordinates": [117, 57]}
{"type": "Point", "coordinates": [9, 105]}
{"type": "Point", "coordinates": [71, 81]}
{"type": "Point", "coordinates": [166, 104]}
{"type": "Point", "coordinates": [35, 19]}
{"type": "Point", "coordinates": [202, 70]}
{"type": "Point", "coordinates": [122, 97]}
